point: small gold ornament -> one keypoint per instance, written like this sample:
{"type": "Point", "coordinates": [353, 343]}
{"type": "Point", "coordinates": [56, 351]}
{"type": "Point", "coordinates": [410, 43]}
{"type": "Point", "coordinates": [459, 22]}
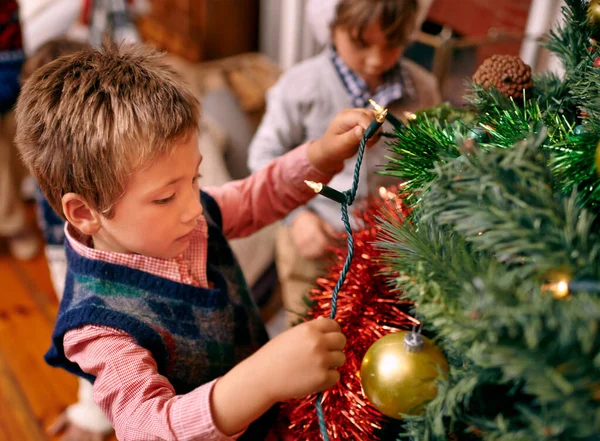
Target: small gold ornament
{"type": "Point", "coordinates": [594, 11]}
{"type": "Point", "coordinates": [398, 373]}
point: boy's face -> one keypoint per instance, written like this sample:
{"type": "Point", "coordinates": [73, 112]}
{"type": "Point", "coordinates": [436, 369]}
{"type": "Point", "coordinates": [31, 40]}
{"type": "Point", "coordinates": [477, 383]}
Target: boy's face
{"type": "Point", "coordinates": [159, 209]}
{"type": "Point", "coordinates": [369, 56]}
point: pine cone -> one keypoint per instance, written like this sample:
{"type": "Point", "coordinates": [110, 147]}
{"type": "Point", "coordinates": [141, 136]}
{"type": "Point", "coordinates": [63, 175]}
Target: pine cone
{"type": "Point", "coordinates": [507, 73]}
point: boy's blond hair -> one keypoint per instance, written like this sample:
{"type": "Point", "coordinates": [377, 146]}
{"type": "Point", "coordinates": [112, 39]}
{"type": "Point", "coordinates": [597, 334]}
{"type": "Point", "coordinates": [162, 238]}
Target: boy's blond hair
{"type": "Point", "coordinates": [88, 120]}
{"type": "Point", "coordinates": [397, 18]}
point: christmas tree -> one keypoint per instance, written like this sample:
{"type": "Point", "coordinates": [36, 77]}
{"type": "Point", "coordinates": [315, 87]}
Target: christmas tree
{"type": "Point", "coordinates": [501, 256]}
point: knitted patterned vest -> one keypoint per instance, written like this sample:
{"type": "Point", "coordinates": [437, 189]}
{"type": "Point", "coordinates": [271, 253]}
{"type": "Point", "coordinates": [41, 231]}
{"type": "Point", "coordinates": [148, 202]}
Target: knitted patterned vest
{"type": "Point", "coordinates": [195, 334]}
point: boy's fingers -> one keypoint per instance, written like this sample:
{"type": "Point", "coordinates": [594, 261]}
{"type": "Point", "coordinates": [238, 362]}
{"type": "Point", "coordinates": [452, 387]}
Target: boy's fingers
{"type": "Point", "coordinates": [366, 117]}
{"type": "Point", "coordinates": [326, 325]}
{"type": "Point", "coordinates": [374, 139]}
{"type": "Point", "coordinates": [351, 137]}
{"type": "Point", "coordinates": [352, 124]}
{"type": "Point", "coordinates": [355, 117]}
{"type": "Point", "coordinates": [333, 377]}
{"type": "Point", "coordinates": [335, 341]}
{"type": "Point", "coordinates": [336, 359]}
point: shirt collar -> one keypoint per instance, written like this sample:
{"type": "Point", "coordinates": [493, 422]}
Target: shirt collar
{"type": "Point", "coordinates": [189, 267]}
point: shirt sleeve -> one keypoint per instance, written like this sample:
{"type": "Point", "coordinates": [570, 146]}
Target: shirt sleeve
{"type": "Point", "coordinates": [139, 402]}
{"type": "Point", "coordinates": [267, 195]}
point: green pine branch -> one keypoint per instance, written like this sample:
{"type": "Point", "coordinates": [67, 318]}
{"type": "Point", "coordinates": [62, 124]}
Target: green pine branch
{"type": "Point", "coordinates": [504, 201]}
{"type": "Point", "coordinates": [571, 39]}
{"type": "Point", "coordinates": [425, 140]}
{"type": "Point", "coordinates": [484, 100]}
{"type": "Point", "coordinates": [486, 235]}
{"type": "Point", "coordinates": [585, 88]}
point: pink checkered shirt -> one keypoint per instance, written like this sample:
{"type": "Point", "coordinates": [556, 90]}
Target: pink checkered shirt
{"type": "Point", "coordinates": [140, 403]}
{"type": "Point", "coordinates": [189, 267]}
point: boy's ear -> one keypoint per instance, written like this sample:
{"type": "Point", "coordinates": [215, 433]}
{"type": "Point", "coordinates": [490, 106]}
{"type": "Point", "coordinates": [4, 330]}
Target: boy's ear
{"type": "Point", "coordinates": [80, 215]}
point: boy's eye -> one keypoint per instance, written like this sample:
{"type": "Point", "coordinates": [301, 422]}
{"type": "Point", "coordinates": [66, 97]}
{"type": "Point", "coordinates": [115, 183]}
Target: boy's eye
{"type": "Point", "coordinates": [165, 200]}
{"type": "Point", "coordinates": [198, 176]}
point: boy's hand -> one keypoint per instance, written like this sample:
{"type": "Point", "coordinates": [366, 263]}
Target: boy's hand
{"type": "Point", "coordinates": [312, 234]}
{"type": "Point", "coordinates": [341, 140]}
{"type": "Point", "coordinates": [303, 360]}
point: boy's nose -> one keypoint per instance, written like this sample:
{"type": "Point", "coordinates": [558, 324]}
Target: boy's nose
{"type": "Point", "coordinates": [194, 208]}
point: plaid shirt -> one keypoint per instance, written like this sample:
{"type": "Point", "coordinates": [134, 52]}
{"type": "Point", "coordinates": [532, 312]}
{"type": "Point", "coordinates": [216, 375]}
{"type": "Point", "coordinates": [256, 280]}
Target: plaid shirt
{"type": "Point", "coordinates": [396, 82]}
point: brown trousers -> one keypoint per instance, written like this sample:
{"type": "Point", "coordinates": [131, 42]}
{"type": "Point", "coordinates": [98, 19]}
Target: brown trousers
{"type": "Point", "coordinates": [296, 276]}
{"type": "Point", "coordinates": [12, 209]}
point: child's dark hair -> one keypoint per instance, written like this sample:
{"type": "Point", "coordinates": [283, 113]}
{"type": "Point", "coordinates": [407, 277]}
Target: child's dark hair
{"type": "Point", "coordinates": [396, 17]}
{"type": "Point", "coordinates": [50, 51]}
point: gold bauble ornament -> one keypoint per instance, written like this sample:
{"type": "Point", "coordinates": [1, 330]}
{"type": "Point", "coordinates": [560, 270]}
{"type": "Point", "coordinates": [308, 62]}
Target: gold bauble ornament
{"type": "Point", "coordinates": [593, 12]}
{"type": "Point", "coordinates": [398, 373]}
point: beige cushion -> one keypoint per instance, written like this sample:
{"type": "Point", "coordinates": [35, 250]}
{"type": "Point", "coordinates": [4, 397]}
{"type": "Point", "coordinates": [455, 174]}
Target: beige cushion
{"type": "Point", "coordinates": [256, 252]}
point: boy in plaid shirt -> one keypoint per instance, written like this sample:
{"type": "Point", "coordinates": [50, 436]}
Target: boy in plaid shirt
{"type": "Point", "coordinates": [362, 61]}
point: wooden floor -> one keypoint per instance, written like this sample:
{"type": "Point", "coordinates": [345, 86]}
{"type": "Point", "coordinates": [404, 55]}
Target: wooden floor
{"type": "Point", "coordinates": [32, 394]}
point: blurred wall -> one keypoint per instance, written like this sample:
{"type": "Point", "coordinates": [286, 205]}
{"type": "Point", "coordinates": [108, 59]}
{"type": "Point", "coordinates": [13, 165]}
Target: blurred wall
{"type": "Point", "coordinates": [543, 16]}
{"type": "Point", "coordinates": [269, 27]}
{"type": "Point", "coordinates": [284, 34]}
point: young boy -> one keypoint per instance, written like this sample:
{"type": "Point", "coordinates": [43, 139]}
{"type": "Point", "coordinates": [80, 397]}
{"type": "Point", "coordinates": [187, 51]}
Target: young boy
{"type": "Point", "coordinates": [363, 61]}
{"type": "Point", "coordinates": [155, 309]}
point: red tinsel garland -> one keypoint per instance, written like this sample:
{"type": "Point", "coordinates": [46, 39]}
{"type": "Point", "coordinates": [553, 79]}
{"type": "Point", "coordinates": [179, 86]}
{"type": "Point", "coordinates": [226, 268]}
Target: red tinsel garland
{"type": "Point", "coordinates": [366, 310]}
